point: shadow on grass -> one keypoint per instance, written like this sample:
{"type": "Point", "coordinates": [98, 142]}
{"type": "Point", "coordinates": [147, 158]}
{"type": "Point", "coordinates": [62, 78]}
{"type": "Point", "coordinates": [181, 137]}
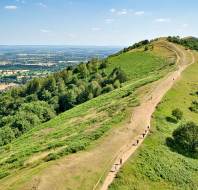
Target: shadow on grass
{"type": "Point", "coordinates": [171, 120]}
{"type": "Point", "coordinates": [170, 142]}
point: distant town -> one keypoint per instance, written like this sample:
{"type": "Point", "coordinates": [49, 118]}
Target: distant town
{"type": "Point", "coordinates": [18, 64]}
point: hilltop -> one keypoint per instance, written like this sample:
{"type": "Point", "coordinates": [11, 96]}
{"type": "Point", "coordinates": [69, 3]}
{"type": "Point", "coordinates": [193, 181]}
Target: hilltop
{"type": "Point", "coordinates": [85, 118]}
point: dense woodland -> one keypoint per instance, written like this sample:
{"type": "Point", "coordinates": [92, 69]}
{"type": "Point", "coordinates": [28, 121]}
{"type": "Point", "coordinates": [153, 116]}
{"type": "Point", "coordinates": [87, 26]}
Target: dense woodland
{"type": "Point", "coordinates": [191, 42]}
{"type": "Point", "coordinates": [41, 99]}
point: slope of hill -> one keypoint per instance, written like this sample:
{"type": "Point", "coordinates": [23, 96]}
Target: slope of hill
{"type": "Point", "coordinates": [155, 165]}
{"type": "Point", "coordinates": [87, 127]}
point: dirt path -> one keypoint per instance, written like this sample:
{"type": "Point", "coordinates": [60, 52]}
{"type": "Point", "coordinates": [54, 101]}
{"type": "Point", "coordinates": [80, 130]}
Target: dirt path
{"type": "Point", "coordinates": [80, 171]}
{"type": "Point", "coordinates": [142, 114]}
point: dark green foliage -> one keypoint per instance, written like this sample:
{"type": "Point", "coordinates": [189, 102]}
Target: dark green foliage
{"type": "Point", "coordinates": [33, 86]}
{"type": "Point", "coordinates": [186, 137]}
{"type": "Point", "coordinates": [6, 135]}
{"type": "Point", "coordinates": [104, 64]}
{"type": "Point", "coordinates": [40, 100]}
{"type": "Point", "coordinates": [39, 108]}
{"type": "Point", "coordinates": [50, 157]}
{"type": "Point", "coordinates": [146, 48]}
{"type": "Point", "coordinates": [191, 42]}
{"type": "Point", "coordinates": [4, 174]}
{"type": "Point", "coordinates": [194, 107]}
{"type": "Point", "coordinates": [177, 113]}
{"type": "Point", "coordinates": [134, 46]}
{"type": "Point", "coordinates": [108, 88]}
{"type": "Point", "coordinates": [67, 101]}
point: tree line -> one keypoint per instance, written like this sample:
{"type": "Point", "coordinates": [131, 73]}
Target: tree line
{"type": "Point", "coordinates": [140, 44]}
{"type": "Point", "coordinates": [191, 42]}
{"type": "Point", "coordinates": [41, 99]}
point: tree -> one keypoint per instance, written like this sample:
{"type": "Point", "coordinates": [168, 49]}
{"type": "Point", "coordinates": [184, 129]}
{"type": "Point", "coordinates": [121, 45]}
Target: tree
{"type": "Point", "coordinates": [83, 71]}
{"type": "Point", "coordinates": [186, 136]}
{"type": "Point", "coordinates": [146, 48]}
{"type": "Point", "coordinates": [33, 86]}
{"type": "Point", "coordinates": [23, 121]}
{"type": "Point", "coordinates": [31, 98]}
{"type": "Point", "coordinates": [116, 84]}
{"type": "Point", "coordinates": [104, 64]}
{"type": "Point", "coordinates": [6, 135]}
{"type": "Point", "coordinates": [177, 113]}
{"type": "Point", "coordinates": [95, 88]}
{"type": "Point", "coordinates": [50, 84]}
{"type": "Point", "coordinates": [40, 108]}
{"type": "Point", "coordinates": [67, 101]}
{"type": "Point", "coordinates": [107, 88]}
{"type": "Point", "coordinates": [118, 74]}
{"type": "Point", "coordinates": [61, 86]}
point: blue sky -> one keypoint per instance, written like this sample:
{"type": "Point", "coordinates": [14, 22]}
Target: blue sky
{"type": "Point", "coordinates": [94, 22]}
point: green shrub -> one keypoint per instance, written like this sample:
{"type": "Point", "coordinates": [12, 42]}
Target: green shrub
{"type": "Point", "coordinates": [177, 113]}
{"type": "Point", "coordinates": [3, 174]}
{"type": "Point", "coordinates": [50, 157]}
{"type": "Point", "coordinates": [6, 135]}
{"type": "Point", "coordinates": [194, 107]}
{"type": "Point", "coordinates": [186, 136]}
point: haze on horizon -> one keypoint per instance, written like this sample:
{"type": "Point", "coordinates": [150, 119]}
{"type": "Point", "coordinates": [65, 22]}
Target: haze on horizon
{"type": "Point", "coordinates": [88, 22]}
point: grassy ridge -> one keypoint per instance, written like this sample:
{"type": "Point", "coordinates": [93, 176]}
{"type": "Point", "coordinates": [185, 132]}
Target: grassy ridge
{"type": "Point", "coordinates": [155, 166]}
{"type": "Point", "coordinates": [76, 129]}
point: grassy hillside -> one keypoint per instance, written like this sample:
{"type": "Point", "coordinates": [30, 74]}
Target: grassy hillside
{"type": "Point", "coordinates": [138, 64]}
{"type": "Point", "coordinates": [78, 128]}
{"type": "Point", "coordinates": [155, 165]}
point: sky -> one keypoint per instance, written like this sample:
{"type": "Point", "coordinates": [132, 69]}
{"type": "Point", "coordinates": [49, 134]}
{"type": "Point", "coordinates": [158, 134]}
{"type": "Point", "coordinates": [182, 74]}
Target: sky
{"type": "Point", "coordinates": [94, 22]}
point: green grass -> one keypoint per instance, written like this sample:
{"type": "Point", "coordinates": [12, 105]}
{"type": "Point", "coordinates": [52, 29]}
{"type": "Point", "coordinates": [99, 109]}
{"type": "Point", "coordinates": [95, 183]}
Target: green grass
{"type": "Point", "coordinates": [155, 166]}
{"type": "Point", "coordinates": [138, 64]}
{"type": "Point", "coordinates": [73, 130]}
{"type": "Point", "coordinates": [77, 129]}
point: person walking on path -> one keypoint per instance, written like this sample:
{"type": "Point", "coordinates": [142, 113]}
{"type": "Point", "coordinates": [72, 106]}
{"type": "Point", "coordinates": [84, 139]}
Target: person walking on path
{"type": "Point", "coordinates": [120, 161]}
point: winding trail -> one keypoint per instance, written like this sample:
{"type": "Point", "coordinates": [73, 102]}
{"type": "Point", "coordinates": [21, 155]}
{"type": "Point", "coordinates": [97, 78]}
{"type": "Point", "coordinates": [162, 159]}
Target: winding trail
{"type": "Point", "coordinates": [80, 171]}
{"type": "Point", "coordinates": [143, 113]}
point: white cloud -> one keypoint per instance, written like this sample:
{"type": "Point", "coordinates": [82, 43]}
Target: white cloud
{"type": "Point", "coordinates": [45, 31]}
{"type": "Point", "coordinates": [109, 20]}
{"type": "Point", "coordinates": [163, 20]}
{"type": "Point", "coordinates": [139, 13]}
{"type": "Point", "coordinates": [42, 5]}
{"type": "Point", "coordinates": [96, 29]}
{"type": "Point", "coordinates": [10, 7]}
{"type": "Point", "coordinates": [112, 10]}
{"type": "Point", "coordinates": [122, 12]}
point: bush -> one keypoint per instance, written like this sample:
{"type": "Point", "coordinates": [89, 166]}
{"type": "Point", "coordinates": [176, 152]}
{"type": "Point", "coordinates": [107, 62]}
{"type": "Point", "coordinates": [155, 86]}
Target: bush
{"type": "Point", "coordinates": [108, 88]}
{"type": "Point", "coordinates": [186, 136]}
{"type": "Point", "coordinates": [4, 174]}
{"type": "Point", "coordinates": [40, 108]}
{"type": "Point", "coordinates": [177, 113]}
{"type": "Point", "coordinates": [50, 157]}
{"type": "Point", "coordinates": [6, 135]}
{"type": "Point", "coordinates": [194, 107]}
